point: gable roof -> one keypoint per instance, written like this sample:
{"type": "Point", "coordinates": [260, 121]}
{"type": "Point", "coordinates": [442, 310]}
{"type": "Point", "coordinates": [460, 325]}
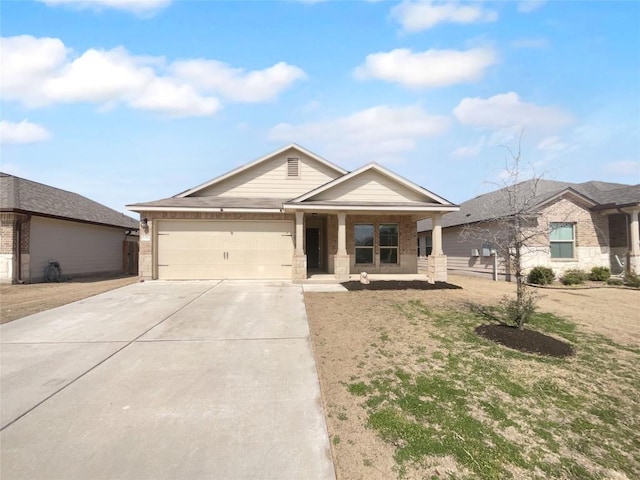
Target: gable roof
{"type": "Point", "coordinates": [265, 158]}
{"type": "Point", "coordinates": [25, 196]}
{"type": "Point", "coordinates": [429, 196]}
{"type": "Point", "coordinates": [404, 196]}
{"type": "Point", "coordinates": [494, 204]}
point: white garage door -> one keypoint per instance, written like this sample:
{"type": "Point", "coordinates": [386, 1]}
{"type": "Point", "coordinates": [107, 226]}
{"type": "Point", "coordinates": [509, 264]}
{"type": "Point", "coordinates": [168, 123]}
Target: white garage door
{"type": "Point", "coordinates": [201, 250]}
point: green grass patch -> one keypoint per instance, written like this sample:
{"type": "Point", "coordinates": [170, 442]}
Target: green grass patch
{"type": "Point", "coordinates": [497, 411]}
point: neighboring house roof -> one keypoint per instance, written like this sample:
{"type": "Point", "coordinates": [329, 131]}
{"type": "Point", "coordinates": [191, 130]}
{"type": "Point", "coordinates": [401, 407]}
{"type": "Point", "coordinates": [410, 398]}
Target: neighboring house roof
{"type": "Point", "coordinates": [539, 192]}
{"type": "Point", "coordinates": [620, 197]}
{"type": "Point", "coordinates": [25, 196]}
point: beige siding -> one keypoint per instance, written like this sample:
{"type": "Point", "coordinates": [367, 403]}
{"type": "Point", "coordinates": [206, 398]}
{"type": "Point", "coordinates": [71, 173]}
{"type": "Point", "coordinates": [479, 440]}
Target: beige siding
{"type": "Point", "coordinates": [269, 179]}
{"type": "Point", "coordinates": [79, 248]}
{"type": "Point", "coordinates": [201, 250]}
{"type": "Point", "coordinates": [459, 258]}
{"type": "Point", "coordinates": [370, 186]}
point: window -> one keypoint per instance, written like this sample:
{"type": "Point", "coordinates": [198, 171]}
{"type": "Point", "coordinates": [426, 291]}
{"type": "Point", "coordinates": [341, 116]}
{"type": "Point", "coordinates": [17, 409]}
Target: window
{"type": "Point", "coordinates": [364, 243]}
{"type": "Point", "coordinates": [293, 168]}
{"type": "Point", "coordinates": [561, 239]}
{"type": "Point", "coordinates": [388, 242]}
{"type": "Point", "coordinates": [427, 245]}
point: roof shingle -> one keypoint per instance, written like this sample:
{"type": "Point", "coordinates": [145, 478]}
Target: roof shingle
{"type": "Point", "coordinates": [19, 194]}
{"type": "Point", "coordinates": [494, 204]}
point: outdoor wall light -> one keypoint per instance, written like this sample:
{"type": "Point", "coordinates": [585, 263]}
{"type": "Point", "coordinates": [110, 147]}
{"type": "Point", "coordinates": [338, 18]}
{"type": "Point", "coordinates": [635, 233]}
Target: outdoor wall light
{"type": "Point", "coordinates": [144, 222]}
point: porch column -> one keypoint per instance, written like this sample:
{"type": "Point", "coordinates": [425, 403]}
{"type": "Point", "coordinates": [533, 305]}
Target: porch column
{"type": "Point", "coordinates": [299, 233]}
{"type": "Point", "coordinates": [437, 261]}
{"type": "Point", "coordinates": [342, 233]}
{"type": "Point", "coordinates": [436, 238]}
{"type": "Point", "coordinates": [634, 248]}
{"type": "Point", "coordinates": [299, 264]}
{"type": "Point", "coordinates": [341, 261]}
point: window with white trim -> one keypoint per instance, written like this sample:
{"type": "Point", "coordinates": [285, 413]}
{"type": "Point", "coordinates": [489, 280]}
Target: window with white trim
{"type": "Point", "coordinates": [428, 245]}
{"type": "Point", "coordinates": [293, 168]}
{"type": "Point", "coordinates": [388, 241]}
{"type": "Point", "coordinates": [364, 243]}
{"type": "Point", "coordinates": [562, 239]}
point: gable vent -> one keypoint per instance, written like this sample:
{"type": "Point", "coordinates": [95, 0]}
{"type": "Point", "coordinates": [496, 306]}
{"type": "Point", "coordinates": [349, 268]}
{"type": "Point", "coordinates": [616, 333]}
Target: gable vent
{"type": "Point", "coordinates": [293, 168]}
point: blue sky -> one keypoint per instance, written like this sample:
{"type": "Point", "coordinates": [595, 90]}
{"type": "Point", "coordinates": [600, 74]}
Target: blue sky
{"type": "Point", "coordinates": [126, 101]}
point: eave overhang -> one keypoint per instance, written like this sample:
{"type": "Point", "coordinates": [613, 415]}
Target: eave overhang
{"type": "Point", "coordinates": [140, 209]}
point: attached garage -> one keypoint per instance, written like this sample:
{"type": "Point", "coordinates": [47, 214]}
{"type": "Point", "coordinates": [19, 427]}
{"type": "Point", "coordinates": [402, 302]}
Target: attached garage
{"type": "Point", "coordinates": [218, 249]}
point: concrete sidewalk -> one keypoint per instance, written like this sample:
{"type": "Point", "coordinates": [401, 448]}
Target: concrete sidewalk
{"type": "Point", "coordinates": [165, 380]}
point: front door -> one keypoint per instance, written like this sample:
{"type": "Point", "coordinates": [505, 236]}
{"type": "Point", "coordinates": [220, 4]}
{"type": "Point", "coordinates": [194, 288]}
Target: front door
{"type": "Point", "coordinates": [313, 248]}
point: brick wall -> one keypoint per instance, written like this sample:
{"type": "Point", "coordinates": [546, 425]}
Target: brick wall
{"type": "Point", "coordinates": [7, 233]}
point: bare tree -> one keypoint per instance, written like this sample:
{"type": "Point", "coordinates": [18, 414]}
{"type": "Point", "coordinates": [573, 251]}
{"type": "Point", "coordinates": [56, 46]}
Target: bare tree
{"type": "Point", "coordinates": [510, 229]}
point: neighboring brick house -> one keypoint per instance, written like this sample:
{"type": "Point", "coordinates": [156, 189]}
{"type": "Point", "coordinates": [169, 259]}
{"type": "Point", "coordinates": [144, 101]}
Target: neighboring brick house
{"type": "Point", "coordinates": [582, 225]}
{"type": "Point", "coordinates": [39, 223]}
{"type": "Point", "coordinates": [287, 215]}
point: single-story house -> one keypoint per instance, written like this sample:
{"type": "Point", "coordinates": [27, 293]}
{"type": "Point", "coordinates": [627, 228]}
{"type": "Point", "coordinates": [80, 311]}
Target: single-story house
{"type": "Point", "coordinates": [40, 224]}
{"type": "Point", "coordinates": [289, 214]}
{"type": "Point", "coordinates": [580, 225]}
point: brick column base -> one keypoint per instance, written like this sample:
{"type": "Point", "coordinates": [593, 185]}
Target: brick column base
{"type": "Point", "coordinates": [437, 268]}
{"type": "Point", "coordinates": [634, 263]}
{"type": "Point", "coordinates": [299, 268]}
{"type": "Point", "coordinates": [341, 266]}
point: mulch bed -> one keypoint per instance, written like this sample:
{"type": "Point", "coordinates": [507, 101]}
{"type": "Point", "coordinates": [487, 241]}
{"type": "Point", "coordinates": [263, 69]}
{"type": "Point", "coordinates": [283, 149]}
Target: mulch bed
{"type": "Point", "coordinates": [528, 341]}
{"type": "Point", "coordinates": [399, 285]}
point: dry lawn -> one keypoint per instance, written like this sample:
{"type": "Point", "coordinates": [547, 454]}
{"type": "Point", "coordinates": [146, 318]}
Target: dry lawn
{"type": "Point", "coordinates": [373, 348]}
{"type": "Point", "coordinates": [17, 301]}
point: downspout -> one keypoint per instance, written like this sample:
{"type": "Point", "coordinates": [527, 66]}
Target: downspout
{"type": "Point", "coordinates": [19, 252]}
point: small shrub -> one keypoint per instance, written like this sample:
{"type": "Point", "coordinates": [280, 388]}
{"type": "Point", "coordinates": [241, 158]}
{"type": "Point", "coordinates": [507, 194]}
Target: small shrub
{"type": "Point", "coordinates": [517, 313]}
{"type": "Point", "coordinates": [573, 277]}
{"type": "Point", "coordinates": [599, 274]}
{"type": "Point", "coordinates": [632, 279]}
{"type": "Point", "coordinates": [614, 281]}
{"type": "Point", "coordinates": [541, 276]}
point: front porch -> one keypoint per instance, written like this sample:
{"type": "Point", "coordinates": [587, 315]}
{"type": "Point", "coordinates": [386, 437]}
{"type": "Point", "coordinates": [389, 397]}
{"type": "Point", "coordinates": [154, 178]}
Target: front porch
{"type": "Point", "coordinates": [338, 246]}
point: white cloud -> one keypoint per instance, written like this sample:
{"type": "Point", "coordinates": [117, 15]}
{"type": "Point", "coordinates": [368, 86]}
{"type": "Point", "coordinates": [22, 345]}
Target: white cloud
{"type": "Point", "coordinates": [98, 76]}
{"type": "Point", "coordinates": [555, 144]}
{"type": "Point", "coordinates": [138, 7]}
{"type": "Point", "coordinates": [236, 83]}
{"type": "Point", "coordinates": [423, 15]}
{"type": "Point", "coordinates": [23, 132]}
{"type": "Point", "coordinates": [379, 133]}
{"type": "Point", "coordinates": [507, 110]}
{"type": "Point", "coordinates": [528, 6]}
{"type": "Point", "coordinates": [25, 63]}
{"type": "Point", "coordinates": [165, 96]}
{"type": "Point", "coordinates": [432, 68]}
{"type": "Point", "coordinates": [42, 71]}
{"type": "Point", "coordinates": [471, 150]}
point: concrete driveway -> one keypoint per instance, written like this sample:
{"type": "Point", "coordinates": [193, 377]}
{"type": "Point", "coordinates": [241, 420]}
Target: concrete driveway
{"type": "Point", "coordinates": [162, 380]}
